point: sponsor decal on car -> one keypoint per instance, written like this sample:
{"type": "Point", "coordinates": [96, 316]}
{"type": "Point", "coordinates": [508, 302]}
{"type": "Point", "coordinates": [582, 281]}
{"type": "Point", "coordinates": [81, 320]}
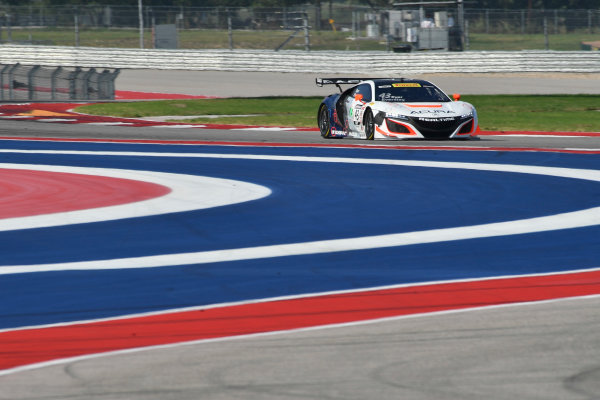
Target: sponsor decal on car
{"type": "Point", "coordinates": [435, 119]}
{"type": "Point", "coordinates": [432, 112]}
{"type": "Point", "coordinates": [413, 84]}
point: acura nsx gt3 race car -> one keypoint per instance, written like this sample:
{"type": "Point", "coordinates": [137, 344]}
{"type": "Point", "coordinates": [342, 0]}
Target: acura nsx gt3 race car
{"type": "Point", "coordinates": [380, 108]}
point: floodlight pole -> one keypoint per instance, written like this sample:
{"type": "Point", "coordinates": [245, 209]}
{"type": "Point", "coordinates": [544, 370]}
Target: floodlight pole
{"type": "Point", "coordinates": [141, 19]}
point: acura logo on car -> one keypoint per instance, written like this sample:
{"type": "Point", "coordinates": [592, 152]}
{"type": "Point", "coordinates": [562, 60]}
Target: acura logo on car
{"type": "Point", "coordinates": [431, 112]}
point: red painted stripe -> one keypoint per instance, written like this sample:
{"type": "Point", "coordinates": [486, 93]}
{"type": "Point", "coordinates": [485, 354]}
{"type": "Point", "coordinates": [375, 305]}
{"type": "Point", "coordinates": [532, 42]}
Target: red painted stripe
{"type": "Point", "coordinates": [26, 193]}
{"type": "Point", "coordinates": [327, 145]}
{"type": "Point", "coordinates": [28, 346]}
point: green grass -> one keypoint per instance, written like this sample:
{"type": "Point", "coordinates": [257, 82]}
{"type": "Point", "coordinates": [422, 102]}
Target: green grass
{"type": "Point", "coordinates": [507, 42]}
{"type": "Point", "coordinates": [270, 39]}
{"type": "Point", "coordinates": [194, 39]}
{"type": "Point", "coordinates": [577, 113]}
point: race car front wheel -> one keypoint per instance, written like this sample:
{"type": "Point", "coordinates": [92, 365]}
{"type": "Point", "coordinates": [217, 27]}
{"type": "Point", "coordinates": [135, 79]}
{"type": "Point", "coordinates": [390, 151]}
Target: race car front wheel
{"type": "Point", "coordinates": [369, 124]}
{"type": "Point", "coordinates": [324, 124]}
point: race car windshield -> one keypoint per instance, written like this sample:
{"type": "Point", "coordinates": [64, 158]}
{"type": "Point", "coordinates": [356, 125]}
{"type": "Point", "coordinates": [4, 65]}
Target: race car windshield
{"type": "Point", "coordinates": [409, 92]}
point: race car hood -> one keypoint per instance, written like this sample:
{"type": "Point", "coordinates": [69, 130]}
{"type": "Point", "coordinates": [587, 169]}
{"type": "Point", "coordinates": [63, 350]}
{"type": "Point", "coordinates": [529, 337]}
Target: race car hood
{"type": "Point", "coordinates": [428, 110]}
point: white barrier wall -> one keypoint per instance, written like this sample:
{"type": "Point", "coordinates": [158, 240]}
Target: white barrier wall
{"type": "Point", "coordinates": [388, 63]}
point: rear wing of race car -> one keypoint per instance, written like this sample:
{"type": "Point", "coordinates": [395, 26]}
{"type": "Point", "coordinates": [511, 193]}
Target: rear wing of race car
{"type": "Point", "coordinates": [340, 81]}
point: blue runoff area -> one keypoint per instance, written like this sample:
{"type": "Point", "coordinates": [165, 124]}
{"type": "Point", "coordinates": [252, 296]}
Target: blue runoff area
{"type": "Point", "coordinates": [309, 201]}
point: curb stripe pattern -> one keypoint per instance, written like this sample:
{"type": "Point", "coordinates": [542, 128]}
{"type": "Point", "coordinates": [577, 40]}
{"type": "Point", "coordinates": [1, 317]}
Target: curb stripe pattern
{"type": "Point", "coordinates": [31, 346]}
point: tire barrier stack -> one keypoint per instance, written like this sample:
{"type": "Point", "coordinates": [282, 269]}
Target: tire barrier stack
{"type": "Point", "coordinates": [37, 83]}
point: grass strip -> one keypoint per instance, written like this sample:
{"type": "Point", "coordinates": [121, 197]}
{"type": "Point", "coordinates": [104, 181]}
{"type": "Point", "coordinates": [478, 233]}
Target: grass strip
{"type": "Point", "coordinates": [549, 113]}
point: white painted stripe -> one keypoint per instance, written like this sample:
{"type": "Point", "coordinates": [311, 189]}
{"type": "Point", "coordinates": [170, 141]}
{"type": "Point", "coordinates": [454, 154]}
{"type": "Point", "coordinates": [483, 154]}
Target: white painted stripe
{"type": "Point", "coordinates": [109, 123]}
{"type": "Point", "coordinates": [56, 120]}
{"type": "Point", "coordinates": [264, 128]}
{"type": "Point", "coordinates": [582, 149]}
{"type": "Point", "coordinates": [576, 219]}
{"type": "Point", "coordinates": [568, 220]}
{"type": "Point", "coordinates": [583, 136]}
{"type": "Point", "coordinates": [177, 126]}
{"type": "Point", "coordinates": [188, 192]}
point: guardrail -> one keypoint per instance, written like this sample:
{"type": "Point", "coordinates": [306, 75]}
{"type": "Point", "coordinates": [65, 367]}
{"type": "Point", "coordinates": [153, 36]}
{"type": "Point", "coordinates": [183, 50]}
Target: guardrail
{"type": "Point", "coordinates": [358, 62]}
{"type": "Point", "coordinates": [22, 82]}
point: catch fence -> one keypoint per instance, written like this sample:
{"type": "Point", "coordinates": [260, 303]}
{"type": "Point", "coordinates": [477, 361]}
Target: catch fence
{"type": "Point", "coordinates": [38, 24]}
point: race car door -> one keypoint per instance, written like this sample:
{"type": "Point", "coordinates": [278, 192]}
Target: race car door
{"type": "Point", "coordinates": [355, 105]}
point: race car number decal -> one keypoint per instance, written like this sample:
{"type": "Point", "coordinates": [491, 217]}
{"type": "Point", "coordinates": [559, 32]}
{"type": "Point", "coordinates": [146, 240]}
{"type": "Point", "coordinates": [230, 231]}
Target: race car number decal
{"type": "Point", "coordinates": [358, 114]}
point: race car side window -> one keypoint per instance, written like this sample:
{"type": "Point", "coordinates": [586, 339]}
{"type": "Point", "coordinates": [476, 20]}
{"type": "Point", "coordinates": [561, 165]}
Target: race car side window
{"type": "Point", "coordinates": [365, 90]}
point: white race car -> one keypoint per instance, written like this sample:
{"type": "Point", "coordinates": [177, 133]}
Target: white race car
{"type": "Point", "coordinates": [380, 108]}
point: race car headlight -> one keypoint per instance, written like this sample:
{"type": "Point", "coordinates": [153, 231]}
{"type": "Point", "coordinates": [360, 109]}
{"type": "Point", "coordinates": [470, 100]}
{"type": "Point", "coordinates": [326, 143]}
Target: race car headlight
{"type": "Point", "coordinates": [467, 116]}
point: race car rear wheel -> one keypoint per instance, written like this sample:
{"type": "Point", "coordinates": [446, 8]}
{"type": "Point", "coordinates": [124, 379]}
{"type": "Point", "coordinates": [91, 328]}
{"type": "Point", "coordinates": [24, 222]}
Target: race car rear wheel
{"type": "Point", "coordinates": [369, 124]}
{"type": "Point", "coordinates": [323, 120]}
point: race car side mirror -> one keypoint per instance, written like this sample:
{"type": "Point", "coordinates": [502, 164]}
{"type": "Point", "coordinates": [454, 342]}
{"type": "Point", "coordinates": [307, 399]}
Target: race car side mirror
{"type": "Point", "coordinates": [456, 96]}
{"type": "Point", "coordinates": [358, 97]}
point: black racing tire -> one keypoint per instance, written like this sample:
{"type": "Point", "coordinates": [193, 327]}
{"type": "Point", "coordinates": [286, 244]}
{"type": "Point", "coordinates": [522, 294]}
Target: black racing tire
{"type": "Point", "coordinates": [323, 121]}
{"type": "Point", "coordinates": [369, 123]}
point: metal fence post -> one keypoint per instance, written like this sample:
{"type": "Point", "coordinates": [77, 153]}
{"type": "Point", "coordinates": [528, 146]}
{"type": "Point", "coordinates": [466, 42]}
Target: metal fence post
{"type": "Point", "coordinates": [466, 35]}
{"type": "Point", "coordinates": [73, 76]}
{"type": "Point", "coordinates": [306, 33]}
{"type": "Point", "coordinates": [76, 23]}
{"type": "Point", "coordinates": [53, 83]}
{"type": "Point", "coordinates": [462, 24]}
{"type": "Point", "coordinates": [8, 28]}
{"type": "Point", "coordinates": [546, 41]}
{"type": "Point", "coordinates": [112, 83]}
{"type": "Point", "coordinates": [31, 82]}
{"type": "Point", "coordinates": [104, 85]}
{"type": "Point", "coordinates": [229, 32]}
{"type": "Point", "coordinates": [141, 23]}
{"type": "Point", "coordinates": [86, 83]}
{"type": "Point", "coordinates": [2, 84]}
{"type": "Point", "coordinates": [10, 80]}
{"type": "Point", "coordinates": [487, 21]}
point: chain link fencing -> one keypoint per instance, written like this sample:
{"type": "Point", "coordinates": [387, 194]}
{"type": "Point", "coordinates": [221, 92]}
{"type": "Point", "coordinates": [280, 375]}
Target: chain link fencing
{"type": "Point", "coordinates": [332, 26]}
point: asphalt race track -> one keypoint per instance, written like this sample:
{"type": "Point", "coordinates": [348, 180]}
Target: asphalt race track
{"type": "Point", "coordinates": [260, 264]}
{"type": "Point", "coordinates": [252, 84]}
